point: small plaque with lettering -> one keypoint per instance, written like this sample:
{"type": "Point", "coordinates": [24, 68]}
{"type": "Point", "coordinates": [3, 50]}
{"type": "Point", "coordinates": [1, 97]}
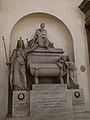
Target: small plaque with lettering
{"type": "Point", "coordinates": [20, 103]}
{"type": "Point", "coordinates": [78, 100]}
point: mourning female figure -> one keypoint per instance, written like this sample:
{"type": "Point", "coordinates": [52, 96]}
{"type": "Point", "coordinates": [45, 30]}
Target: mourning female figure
{"type": "Point", "coordinates": [17, 67]}
{"type": "Point", "coordinates": [68, 72]}
{"type": "Point", "coordinates": [71, 74]}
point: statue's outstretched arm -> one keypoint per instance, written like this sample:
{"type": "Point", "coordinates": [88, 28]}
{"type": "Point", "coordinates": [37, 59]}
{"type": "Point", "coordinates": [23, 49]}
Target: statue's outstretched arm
{"type": "Point", "coordinates": [28, 50]}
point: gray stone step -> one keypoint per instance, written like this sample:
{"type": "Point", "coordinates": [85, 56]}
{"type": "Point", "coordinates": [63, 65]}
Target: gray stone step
{"type": "Point", "coordinates": [77, 116]}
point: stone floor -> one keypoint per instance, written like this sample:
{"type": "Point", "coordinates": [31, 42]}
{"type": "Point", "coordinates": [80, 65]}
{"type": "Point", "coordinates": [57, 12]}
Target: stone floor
{"type": "Point", "coordinates": [77, 116]}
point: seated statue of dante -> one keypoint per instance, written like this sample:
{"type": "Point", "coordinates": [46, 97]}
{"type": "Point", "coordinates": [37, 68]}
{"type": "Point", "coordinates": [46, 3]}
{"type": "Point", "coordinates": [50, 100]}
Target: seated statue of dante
{"type": "Point", "coordinates": [40, 38]}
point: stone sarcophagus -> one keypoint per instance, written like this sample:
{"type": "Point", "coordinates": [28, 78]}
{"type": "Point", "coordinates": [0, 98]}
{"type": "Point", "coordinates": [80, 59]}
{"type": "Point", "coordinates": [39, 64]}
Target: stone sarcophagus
{"type": "Point", "coordinates": [42, 62]}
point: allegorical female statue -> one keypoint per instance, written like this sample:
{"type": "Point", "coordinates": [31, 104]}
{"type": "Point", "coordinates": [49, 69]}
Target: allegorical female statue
{"type": "Point", "coordinates": [18, 67]}
{"type": "Point", "coordinates": [68, 68]}
{"type": "Point", "coordinates": [71, 74]}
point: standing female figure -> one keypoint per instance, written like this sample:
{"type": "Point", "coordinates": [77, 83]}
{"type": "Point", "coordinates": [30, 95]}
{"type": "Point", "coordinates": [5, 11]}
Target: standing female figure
{"type": "Point", "coordinates": [17, 70]}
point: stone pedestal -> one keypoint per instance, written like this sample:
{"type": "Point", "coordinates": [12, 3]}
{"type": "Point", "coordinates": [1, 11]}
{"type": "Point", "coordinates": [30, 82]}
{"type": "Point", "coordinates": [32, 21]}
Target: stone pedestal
{"type": "Point", "coordinates": [78, 100]}
{"type": "Point", "coordinates": [20, 106]}
{"type": "Point", "coordinates": [52, 104]}
{"type": "Point", "coordinates": [49, 102]}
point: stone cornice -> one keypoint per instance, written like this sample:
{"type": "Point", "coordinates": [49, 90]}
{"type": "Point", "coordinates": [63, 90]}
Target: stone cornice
{"type": "Point", "coordinates": [85, 6]}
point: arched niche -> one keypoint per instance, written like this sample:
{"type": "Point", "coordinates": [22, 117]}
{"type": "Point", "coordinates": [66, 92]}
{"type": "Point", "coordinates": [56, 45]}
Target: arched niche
{"type": "Point", "coordinates": [57, 31]}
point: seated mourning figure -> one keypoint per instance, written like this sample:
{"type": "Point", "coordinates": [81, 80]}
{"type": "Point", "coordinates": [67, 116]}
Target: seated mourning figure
{"type": "Point", "coordinates": [40, 39]}
{"type": "Point", "coordinates": [69, 69]}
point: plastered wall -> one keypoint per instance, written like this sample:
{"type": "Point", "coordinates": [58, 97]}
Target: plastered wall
{"type": "Point", "coordinates": [11, 11]}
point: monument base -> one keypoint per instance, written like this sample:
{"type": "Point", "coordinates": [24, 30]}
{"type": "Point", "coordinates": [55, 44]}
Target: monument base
{"type": "Point", "coordinates": [78, 100]}
{"type": "Point", "coordinates": [49, 102]}
{"type": "Point", "coordinates": [54, 103]}
{"type": "Point", "coordinates": [20, 105]}
{"type": "Point", "coordinates": [76, 116]}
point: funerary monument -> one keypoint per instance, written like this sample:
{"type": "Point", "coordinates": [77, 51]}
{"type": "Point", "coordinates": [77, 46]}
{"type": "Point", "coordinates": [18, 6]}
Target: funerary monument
{"type": "Point", "coordinates": [44, 60]}
{"type": "Point", "coordinates": [43, 81]}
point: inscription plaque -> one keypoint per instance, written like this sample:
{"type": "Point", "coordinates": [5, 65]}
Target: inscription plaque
{"type": "Point", "coordinates": [51, 103]}
{"type": "Point", "coordinates": [78, 100]}
{"type": "Point", "coordinates": [20, 103]}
